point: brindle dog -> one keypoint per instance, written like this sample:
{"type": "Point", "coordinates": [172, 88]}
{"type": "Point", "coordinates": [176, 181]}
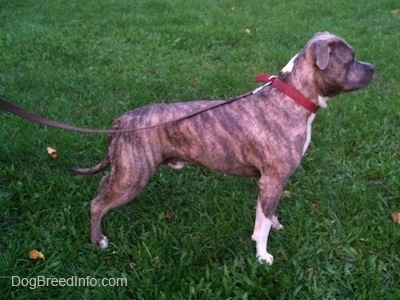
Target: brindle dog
{"type": "Point", "coordinates": [263, 135]}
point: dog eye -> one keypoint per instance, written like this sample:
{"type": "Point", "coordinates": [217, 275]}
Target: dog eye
{"type": "Point", "coordinates": [348, 59]}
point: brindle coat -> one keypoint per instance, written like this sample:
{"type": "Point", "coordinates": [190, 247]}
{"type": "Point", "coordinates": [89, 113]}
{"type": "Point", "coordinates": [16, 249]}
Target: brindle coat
{"type": "Point", "coordinates": [263, 135]}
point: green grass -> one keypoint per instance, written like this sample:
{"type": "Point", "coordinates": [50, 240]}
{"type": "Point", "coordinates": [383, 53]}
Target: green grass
{"type": "Point", "coordinates": [188, 235]}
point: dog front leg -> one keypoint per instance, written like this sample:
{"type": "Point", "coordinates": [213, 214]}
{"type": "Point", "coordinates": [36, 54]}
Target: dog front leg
{"type": "Point", "coordinates": [260, 235]}
{"type": "Point", "coordinates": [265, 217]}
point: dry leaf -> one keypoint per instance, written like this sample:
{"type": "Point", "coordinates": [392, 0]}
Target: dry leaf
{"type": "Point", "coordinates": [132, 265]}
{"type": "Point", "coordinates": [395, 11]}
{"type": "Point", "coordinates": [169, 216]}
{"type": "Point", "coordinates": [286, 194]}
{"type": "Point", "coordinates": [396, 217]}
{"type": "Point", "coordinates": [377, 182]}
{"type": "Point", "coordinates": [315, 206]}
{"type": "Point", "coordinates": [118, 70]}
{"type": "Point", "coordinates": [34, 254]}
{"type": "Point", "coordinates": [52, 152]}
{"type": "Point", "coordinates": [194, 79]}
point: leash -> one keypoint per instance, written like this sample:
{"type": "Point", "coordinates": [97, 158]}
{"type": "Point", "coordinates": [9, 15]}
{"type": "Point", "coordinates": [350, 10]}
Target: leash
{"type": "Point", "coordinates": [20, 112]}
{"type": "Point", "coordinates": [266, 78]}
{"type": "Point", "coordinates": [35, 118]}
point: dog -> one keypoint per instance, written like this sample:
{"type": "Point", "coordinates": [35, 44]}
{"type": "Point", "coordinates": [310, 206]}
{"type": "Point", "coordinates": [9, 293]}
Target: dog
{"type": "Point", "coordinates": [262, 135]}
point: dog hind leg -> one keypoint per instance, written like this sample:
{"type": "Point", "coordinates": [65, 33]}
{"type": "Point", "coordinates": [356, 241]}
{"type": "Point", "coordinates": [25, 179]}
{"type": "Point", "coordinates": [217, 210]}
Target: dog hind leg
{"type": "Point", "coordinates": [118, 188]}
{"type": "Point", "coordinates": [275, 223]}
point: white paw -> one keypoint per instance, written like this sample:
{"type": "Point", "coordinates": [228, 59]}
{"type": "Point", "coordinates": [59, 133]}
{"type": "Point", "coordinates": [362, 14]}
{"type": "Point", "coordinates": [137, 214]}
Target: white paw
{"type": "Point", "coordinates": [176, 165]}
{"type": "Point", "coordinates": [265, 258]}
{"type": "Point", "coordinates": [103, 242]}
{"type": "Point", "coordinates": [276, 224]}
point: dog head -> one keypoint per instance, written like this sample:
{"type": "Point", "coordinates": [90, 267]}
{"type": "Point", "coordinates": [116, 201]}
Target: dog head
{"type": "Point", "coordinates": [328, 63]}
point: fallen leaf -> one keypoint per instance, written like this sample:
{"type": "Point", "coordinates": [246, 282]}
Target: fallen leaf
{"type": "Point", "coordinates": [315, 206]}
{"type": "Point", "coordinates": [395, 11]}
{"type": "Point", "coordinates": [169, 216]}
{"type": "Point", "coordinates": [250, 30]}
{"type": "Point", "coordinates": [194, 79]}
{"type": "Point", "coordinates": [156, 260]}
{"type": "Point", "coordinates": [396, 217]}
{"type": "Point", "coordinates": [286, 194]}
{"type": "Point", "coordinates": [34, 254]}
{"type": "Point", "coordinates": [52, 152]}
{"type": "Point", "coordinates": [132, 265]}
{"type": "Point", "coordinates": [377, 182]}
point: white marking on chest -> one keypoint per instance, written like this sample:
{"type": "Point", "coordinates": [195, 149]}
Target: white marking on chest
{"type": "Point", "coordinates": [308, 137]}
{"type": "Point", "coordinates": [322, 101]}
{"type": "Point", "coordinates": [289, 66]}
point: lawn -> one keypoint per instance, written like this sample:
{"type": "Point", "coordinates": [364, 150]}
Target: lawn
{"type": "Point", "coordinates": [187, 236]}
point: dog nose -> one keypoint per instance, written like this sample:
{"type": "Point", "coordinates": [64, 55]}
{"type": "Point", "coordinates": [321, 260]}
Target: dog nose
{"type": "Point", "coordinates": [369, 69]}
{"type": "Point", "coordinates": [369, 73]}
{"type": "Point", "coordinates": [372, 67]}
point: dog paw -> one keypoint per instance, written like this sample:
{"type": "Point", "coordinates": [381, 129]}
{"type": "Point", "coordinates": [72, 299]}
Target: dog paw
{"type": "Point", "coordinates": [265, 259]}
{"type": "Point", "coordinates": [276, 224]}
{"type": "Point", "coordinates": [176, 164]}
{"type": "Point", "coordinates": [103, 242]}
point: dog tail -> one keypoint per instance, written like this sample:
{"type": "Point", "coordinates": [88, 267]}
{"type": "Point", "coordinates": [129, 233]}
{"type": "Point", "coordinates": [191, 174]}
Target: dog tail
{"type": "Point", "coordinates": [93, 170]}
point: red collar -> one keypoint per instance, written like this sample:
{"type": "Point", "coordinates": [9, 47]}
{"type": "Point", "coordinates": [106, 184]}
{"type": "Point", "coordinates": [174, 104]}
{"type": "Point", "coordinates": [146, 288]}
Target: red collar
{"type": "Point", "coordinates": [288, 91]}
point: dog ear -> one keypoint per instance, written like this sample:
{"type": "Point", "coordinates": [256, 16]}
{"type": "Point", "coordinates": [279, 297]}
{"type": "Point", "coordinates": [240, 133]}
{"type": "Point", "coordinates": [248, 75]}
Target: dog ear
{"type": "Point", "coordinates": [322, 52]}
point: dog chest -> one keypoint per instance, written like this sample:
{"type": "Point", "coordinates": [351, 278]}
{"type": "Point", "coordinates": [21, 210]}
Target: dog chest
{"type": "Point", "coordinates": [308, 133]}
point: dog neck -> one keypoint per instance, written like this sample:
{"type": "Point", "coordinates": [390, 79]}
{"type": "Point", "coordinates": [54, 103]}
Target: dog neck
{"type": "Point", "coordinates": [289, 91]}
{"type": "Point", "coordinates": [291, 76]}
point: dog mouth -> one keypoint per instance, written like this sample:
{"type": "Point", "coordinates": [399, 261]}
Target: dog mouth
{"type": "Point", "coordinates": [360, 77]}
{"type": "Point", "coordinates": [369, 70]}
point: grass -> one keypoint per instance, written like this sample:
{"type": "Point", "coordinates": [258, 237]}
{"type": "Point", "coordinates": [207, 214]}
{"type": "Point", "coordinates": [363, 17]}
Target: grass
{"type": "Point", "coordinates": [188, 235]}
